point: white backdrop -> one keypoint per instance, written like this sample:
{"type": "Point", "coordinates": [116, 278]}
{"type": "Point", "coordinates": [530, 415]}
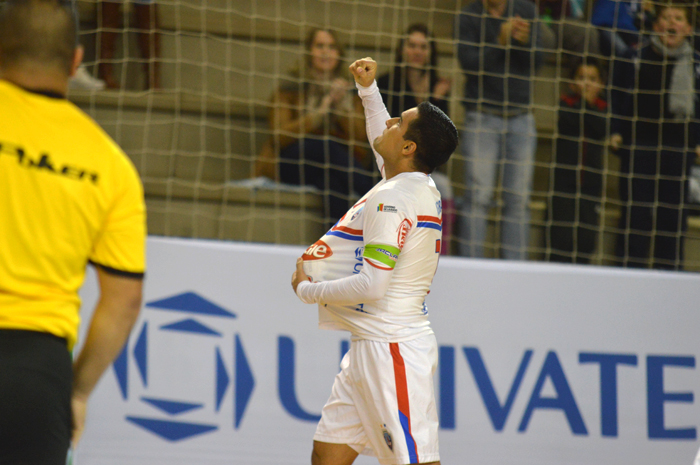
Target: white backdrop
{"type": "Point", "coordinates": [540, 364]}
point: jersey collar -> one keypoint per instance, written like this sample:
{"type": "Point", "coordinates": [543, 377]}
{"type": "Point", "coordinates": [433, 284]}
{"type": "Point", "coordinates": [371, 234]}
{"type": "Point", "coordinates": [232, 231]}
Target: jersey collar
{"type": "Point", "coordinates": [46, 93]}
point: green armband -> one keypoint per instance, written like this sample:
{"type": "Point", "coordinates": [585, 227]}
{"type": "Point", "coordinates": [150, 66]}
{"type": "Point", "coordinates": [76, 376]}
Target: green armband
{"type": "Point", "coordinates": [384, 254]}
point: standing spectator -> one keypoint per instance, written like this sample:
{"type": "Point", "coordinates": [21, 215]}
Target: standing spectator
{"type": "Point", "coordinates": [656, 131]}
{"type": "Point", "coordinates": [146, 18]}
{"type": "Point", "coordinates": [497, 43]}
{"type": "Point", "coordinates": [621, 24]}
{"type": "Point", "coordinates": [69, 196]}
{"type": "Point", "coordinates": [578, 169]}
{"type": "Point", "coordinates": [413, 80]}
{"type": "Point", "coordinates": [316, 121]}
{"type": "Point", "coordinates": [565, 33]}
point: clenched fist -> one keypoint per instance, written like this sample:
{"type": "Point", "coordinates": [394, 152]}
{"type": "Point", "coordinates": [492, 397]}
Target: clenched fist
{"type": "Point", "coordinates": [364, 71]}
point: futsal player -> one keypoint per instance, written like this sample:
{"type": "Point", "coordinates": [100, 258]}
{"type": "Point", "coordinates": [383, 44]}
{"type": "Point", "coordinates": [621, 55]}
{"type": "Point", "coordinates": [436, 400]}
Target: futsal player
{"type": "Point", "coordinates": [68, 196]}
{"type": "Point", "coordinates": [369, 275]}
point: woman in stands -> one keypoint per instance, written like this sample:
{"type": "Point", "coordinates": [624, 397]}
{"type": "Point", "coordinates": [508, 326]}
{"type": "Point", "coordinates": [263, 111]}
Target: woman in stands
{"type": "Point", "coordinates": [414, 77]}
{"type": "Point", "coordinates": [317, 122]}
{"type": "Point", "coordinates": [413, 80]}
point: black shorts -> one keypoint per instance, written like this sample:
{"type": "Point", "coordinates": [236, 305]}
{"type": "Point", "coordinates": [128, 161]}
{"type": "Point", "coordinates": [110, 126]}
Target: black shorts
{"type": "Point", "coordinates": [36, 378]}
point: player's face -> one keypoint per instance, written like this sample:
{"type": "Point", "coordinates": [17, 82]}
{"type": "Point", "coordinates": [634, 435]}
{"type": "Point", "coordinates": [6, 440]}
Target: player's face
{"type": "Point", "coordinates": [416, 50]}
{"type": "Point", "coordinates": [392, 141]}
{"type": "Point", "coordinates": [324, 52]}
{"type": "Point", "coordinates": [673, 27]}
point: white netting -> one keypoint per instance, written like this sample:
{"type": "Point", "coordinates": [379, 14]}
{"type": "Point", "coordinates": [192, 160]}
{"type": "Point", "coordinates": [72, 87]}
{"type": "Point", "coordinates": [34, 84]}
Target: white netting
{"type": "Point", "coordinates": [196, 139]}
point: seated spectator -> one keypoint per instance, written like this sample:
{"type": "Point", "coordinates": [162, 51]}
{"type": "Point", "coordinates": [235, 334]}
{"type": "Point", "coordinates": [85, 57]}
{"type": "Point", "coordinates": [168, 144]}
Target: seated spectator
{"type": "Point", "coordinates": [146, 18]}
{"type": "Point", "coordinates": [656, 104]}
{"type": "Point", "coordinates": [413, 80]}
{"type": "Point", "coordinates": [316, 118]}
{"type": "Point", "coordinates": [574, 204]}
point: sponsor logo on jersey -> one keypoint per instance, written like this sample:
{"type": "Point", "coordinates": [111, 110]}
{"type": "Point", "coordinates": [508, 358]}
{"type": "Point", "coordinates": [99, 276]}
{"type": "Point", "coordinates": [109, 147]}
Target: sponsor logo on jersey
{"type": "Point", "coordinates": [317, 251]}
{"type": "Point", "coordinates": [45, 163]}
{"type": "Point", "coordinates": [438, 207]}
{"type": "Point", "coordinates": [386, 208]}
{"type": "Point", "coordinates": [403, 229]}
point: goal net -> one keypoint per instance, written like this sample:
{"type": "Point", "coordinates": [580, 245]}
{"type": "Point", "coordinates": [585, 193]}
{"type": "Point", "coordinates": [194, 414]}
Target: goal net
{"type": "Point", "coordinates": [217, 104]}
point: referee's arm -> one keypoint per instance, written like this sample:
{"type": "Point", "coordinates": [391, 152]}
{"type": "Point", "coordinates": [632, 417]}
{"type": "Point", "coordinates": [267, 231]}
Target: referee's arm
{"type": "Point", "coordinates": [115, 314]}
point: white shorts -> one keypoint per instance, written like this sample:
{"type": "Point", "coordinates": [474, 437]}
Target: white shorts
{"type": "Point", "coordinates": [383, 402]}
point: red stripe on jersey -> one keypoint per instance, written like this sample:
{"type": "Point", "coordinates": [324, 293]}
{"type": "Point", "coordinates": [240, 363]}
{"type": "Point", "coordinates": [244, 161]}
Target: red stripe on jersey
{"type": "Point", "coordinates": [377, 266]}
{"type": "Point", "coordinates": [347, 230]}
{"type": "Point", "coordinates": [434, 219]}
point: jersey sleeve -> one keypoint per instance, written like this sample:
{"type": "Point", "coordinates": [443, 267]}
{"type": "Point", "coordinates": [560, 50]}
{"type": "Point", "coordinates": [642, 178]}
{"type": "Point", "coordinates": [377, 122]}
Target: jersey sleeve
{"type": "Point", "coordinates": [368, 285]}
{"type": "Point", "coordinates": [120, 247]}
{"type": "Point", "coordinates": [376, 116]}
{"type": "Point", "coordinates": [389, 218]}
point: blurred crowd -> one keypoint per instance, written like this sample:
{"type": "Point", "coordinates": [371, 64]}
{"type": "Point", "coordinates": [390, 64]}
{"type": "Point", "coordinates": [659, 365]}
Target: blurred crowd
{"type": "Point", "coordinates": [629, 75]}
{"type": "Point", "coordinates": [628, 78]}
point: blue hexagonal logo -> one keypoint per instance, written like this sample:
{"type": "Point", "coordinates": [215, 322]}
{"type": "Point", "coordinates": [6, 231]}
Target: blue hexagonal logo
{"type": "Point", "coordinates": [196, 331]}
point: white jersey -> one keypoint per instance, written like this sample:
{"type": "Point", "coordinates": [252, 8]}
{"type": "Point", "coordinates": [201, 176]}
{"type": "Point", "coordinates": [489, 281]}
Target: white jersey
{"type": "Point", "coordinates": [371, 272]}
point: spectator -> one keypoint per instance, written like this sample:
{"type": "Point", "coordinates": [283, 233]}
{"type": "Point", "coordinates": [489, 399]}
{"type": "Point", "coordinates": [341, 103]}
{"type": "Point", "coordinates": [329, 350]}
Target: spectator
{"type": "Point", "coordinates": [566, 34]}
{"type": "Point", "coordinates": [69, 196]}
{"type": "Point", "coordinates": [317, 119]}
{"type": "Point", "coordinates": [656, 131]}
{"type": "Point", "coordinates": [497, 46]}
{"type": "Point", "coordinates": [413, 80]}
{"type": "Point", "coordinates": [621, 24]}
{"type": "Point", "coordinates": [146, 18]}
{"type": "Point", "coordinates": [578, 169]}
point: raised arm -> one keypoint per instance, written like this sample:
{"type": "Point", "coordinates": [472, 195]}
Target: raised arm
{"type": "Point", "coordinates": [376, 114]}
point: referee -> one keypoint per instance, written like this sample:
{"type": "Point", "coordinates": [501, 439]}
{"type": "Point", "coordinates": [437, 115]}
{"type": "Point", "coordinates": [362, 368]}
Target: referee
{"type": "Point", "coordinates": [68, 196]}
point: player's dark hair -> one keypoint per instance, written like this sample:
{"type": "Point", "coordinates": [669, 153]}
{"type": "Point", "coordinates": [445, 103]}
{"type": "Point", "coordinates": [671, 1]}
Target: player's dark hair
{"type": "Point", "coordinates": [435, 136]}
{"type": "Point", "coordinates": [40, 32]}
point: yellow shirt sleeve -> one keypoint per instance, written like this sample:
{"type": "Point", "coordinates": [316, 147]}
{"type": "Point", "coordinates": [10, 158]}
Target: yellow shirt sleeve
{"type": "Point", "coordinates": [120, 245]}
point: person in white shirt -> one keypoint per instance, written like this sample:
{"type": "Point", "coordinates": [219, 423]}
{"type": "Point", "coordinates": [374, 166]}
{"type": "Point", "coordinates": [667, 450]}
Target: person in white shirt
{"type": "Point", "coordinates": [369, 274]}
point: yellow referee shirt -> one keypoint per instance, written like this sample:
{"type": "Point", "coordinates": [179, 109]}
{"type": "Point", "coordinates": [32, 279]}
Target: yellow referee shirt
{"type": "Point", "coordinates": [68, 195]}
